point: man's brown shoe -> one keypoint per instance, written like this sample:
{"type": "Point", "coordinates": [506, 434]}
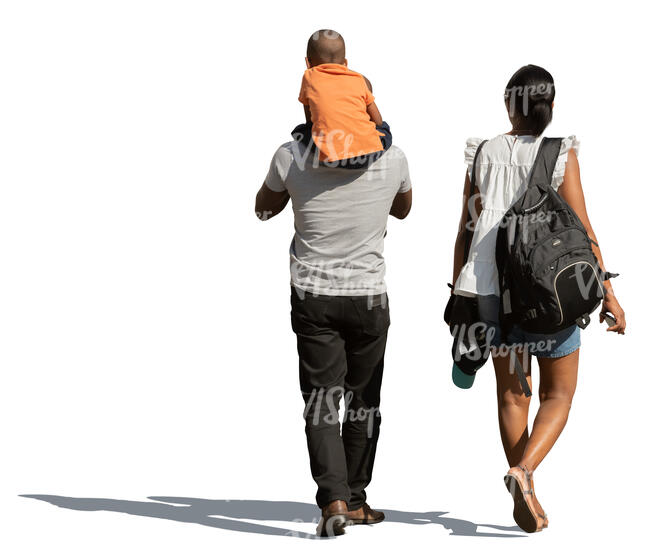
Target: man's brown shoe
{"type": "Point", "coordinates": [334, 520]}
{"type": "Point", "coordinates": [365, 515]}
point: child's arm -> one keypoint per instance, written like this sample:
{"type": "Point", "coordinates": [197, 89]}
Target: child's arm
{"type": "Point", "coordinates": [373, 111]}
{"type": "Point", "coordinates": [307, 114]}
{"type": "Point", "coordinates": [303, 98]}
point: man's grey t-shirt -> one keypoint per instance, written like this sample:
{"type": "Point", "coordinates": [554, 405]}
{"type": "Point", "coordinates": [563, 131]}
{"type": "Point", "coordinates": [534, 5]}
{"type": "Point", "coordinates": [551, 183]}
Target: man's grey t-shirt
{"type": "Point", "coordinates": [340, 219]}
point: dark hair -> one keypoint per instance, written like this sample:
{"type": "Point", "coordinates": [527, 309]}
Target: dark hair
{"type": "Point", "coordinates": [529, 96]}
{"type": "Point", "coordinates": [326, 46]}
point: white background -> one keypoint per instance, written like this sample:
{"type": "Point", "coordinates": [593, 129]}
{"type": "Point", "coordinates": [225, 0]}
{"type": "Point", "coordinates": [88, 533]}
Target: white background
{"type": "Point", "coordinates": [145, 339]}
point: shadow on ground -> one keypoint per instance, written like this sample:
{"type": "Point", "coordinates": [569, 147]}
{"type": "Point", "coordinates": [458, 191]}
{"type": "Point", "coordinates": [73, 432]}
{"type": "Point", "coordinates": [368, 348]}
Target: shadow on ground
{"type": "Point", "coordinates": [241, 515]}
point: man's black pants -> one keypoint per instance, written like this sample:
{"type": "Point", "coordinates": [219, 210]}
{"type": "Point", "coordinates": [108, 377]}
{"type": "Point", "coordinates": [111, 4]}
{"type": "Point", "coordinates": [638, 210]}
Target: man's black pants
{"type": "Point", "coordinates": [341, 343]}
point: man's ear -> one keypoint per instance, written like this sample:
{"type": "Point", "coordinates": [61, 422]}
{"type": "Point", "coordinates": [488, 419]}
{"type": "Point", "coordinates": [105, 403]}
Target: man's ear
{"type": "Point", "coordinates": [553, 105]}
{"type": "Point", "coordinates": [307, 62]}
{"type": "Point", "coordinates": [345, 62]}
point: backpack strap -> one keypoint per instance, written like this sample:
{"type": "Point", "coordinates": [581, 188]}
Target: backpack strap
{"type": "Point", "coordinates": [521, 374]}
{"type": "Point", "coordinates": [544, 165]}
{"type": "Point", "coordinates": [472, 188]}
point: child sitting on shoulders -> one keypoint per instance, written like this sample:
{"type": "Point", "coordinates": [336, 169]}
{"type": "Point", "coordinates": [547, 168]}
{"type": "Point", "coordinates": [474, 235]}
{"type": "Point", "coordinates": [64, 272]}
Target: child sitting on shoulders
{"type": "Point", "coordinates": [343, 121]}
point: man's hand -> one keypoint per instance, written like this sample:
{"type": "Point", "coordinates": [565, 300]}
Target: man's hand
{"type": "Point", "coordinates": [268, 203]}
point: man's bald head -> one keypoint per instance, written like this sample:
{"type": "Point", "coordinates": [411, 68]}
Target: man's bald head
{"type": "Point", "coordinates": [326, 47]}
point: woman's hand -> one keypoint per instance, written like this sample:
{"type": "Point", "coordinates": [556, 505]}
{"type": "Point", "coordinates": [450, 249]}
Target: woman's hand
{"type": "Point", "coordinates": [611, 305]}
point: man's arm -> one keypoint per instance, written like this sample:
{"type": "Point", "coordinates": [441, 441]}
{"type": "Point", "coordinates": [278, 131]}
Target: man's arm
{"type": "Point", "coordinates": [268, 203]}
{"type": "Point", "coordinates": [402, 204]}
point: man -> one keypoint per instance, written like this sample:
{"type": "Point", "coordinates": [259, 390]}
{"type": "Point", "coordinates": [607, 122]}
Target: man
{"type": "Point", "coordinates": [339, 312]}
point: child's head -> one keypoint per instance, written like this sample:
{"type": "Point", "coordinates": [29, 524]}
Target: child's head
{"type": "Point", "coordinates": [325, 47]}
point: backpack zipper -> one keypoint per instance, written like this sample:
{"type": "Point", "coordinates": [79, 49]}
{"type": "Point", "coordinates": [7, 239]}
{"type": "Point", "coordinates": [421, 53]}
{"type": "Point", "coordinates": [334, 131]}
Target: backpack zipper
{"type": "Point", "coordinates": [568, 251]}
{"type": "Point", "coordinates": [535, 206]}
{"type": "Point", "coordinates": [555, 234]}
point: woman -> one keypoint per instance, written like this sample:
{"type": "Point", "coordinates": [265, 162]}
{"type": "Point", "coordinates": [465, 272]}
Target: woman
{"type": "Point", "coordinates": [503, 166]}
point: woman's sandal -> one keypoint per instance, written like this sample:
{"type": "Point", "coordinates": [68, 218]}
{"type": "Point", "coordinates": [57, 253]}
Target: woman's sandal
{"type": "Point", "coordinates": [541, 514]}
{"type": "Point", "coordinates": [520, 487]}
{"type": "Point", "coordinates": [538, 507]}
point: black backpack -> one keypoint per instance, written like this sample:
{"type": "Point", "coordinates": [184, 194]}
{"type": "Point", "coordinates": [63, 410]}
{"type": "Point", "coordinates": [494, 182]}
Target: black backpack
{"type": "Point", "coordinates": [549, 277]}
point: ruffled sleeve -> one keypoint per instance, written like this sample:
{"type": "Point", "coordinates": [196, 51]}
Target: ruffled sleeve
{"type": "Point", "coordinates": [470, 151]}
{"type": "Point", "coordinates": [558, 173]}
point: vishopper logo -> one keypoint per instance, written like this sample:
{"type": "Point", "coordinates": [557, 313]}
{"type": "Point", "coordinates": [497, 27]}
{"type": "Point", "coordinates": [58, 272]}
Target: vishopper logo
{"type": "Point", "coordinates": [585, 277]}
{"type": "Point", "coordinates": [526, 220]}
{"type": "Point", "coordinates": [325, 34]}
{"type": "Point", "coordinates": [322, 277]}
{"type": "Point", "coordinates": [522, 351]}
{"type": "Point", "coordinates": [322, 407]}
{"type": "Point", "coordinates": [324, 529]}
{"type": "Point", "coordinates": [478, 341]}
{"type": "Point", "coordinates": [307, 153]}
{"type": "Point", "coordinates": [264, 215]}
{"type": "Point", "coordinates": [528, 94]}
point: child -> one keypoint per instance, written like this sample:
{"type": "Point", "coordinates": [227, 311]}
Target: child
{"type": "Point", "coordinates": [342, 118]}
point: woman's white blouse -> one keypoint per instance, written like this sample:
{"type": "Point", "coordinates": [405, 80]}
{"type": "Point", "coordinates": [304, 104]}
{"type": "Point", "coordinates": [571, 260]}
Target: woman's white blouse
{"type": "Point", "coordinates": [503, 166]}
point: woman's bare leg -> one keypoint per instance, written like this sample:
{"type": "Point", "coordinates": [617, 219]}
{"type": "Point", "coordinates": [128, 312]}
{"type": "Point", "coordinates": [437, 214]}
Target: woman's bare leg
{"type": "Point", "coordinates": [558, 380]}
{"type": "Point", "coordinates": [513, 408]}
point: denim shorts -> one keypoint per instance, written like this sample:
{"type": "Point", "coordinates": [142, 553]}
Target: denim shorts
{"type": "Point", "coordinates": [555, 345]}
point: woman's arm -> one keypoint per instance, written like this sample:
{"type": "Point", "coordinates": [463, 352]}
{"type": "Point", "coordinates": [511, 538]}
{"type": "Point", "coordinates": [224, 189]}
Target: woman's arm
{"type": "Point", "coordinates": [571, 191]}
{"type": "Point", "coordinates": [464, 228]}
